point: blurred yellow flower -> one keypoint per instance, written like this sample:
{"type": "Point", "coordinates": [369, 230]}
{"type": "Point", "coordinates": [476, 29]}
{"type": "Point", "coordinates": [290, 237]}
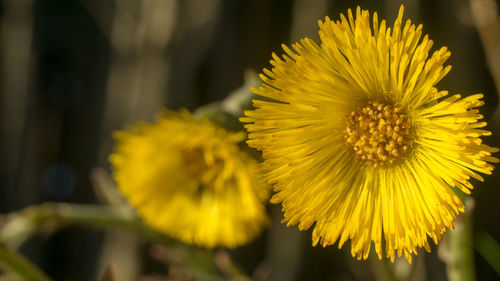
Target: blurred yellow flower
{"type": "Point", "coordinates": [189, 179]}
{"type": "Point", "coordinates": [359, 141]}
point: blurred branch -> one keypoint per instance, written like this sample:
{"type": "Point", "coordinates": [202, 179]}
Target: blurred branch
{"type": "Point", "coordinates": [382, 269]}
{"type": "Point", "coordinates": [489, 249]}
{"type": "Point", "coordinates": [48, 217]}
{"type": "Point", "coordinates": [139, 33]}
{"type": "Point", "coordinates": [388, 269]}
{"type": "Point", "coordinates": [237, 101]}
{"type": "Point", "coordinates": [121, 248]}
{"type": "Point", "coordinates": [16, 33]}
{"type": "Point", "coordinates": [228, 268]}
{"type": "Point", "coordinates": [241, 98]}
{"type": "Point", "coordinates": [485, 14]}
{"type": "Point", "coordinates": [200, 267]}
{"type": "Point", "coordinates": [109, 274]}
{"type": "Point", "coordinates": [261, 272]}
{"type": "Point", "coordinates": [227, 112]}
{"type": "Point", "coordinates": [15, 262]}
{"type": "Point", "coordinates": [456, 250]}
{"type": "Point", "coordinates": [284, 250]}
{"type": "Point", "coordinates": [105, 189]}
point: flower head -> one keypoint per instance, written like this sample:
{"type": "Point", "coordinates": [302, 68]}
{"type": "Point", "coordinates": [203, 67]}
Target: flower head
{"type": "Point", "coordinates": [358, 140]}
{"type": "Point", "coordinates": [189, 179]}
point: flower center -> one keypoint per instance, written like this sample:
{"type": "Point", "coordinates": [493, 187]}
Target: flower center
{"type": "Point", "coordinates": [199, 168]}
{"type": "Point", "coordinates": [378, 133]}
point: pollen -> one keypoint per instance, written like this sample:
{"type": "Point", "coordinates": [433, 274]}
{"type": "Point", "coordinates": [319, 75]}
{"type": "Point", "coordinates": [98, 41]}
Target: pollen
{"type": "Point", "coordinates": [378, 133]}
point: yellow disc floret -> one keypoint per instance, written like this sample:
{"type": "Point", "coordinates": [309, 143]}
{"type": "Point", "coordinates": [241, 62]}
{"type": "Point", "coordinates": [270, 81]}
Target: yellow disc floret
{"type": "Point", "coordinates": [378, 133]}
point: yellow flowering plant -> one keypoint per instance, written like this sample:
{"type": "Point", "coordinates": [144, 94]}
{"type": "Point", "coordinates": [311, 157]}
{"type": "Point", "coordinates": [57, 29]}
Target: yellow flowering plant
{"type": "Point", "coordinates": [361, 144]}
{"type": "Point", "coordinates": [358, 141]}
{"type": "Point", "coordinates": [188, 178]}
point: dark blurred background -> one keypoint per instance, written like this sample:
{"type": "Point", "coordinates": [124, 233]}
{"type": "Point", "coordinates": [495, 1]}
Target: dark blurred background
{"type": "Point", "coordinates": [73, 71]}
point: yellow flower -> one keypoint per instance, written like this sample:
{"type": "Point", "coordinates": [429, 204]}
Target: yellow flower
{"type": "Point", "coordinates": [359, 142]}
{"type": "Point", "coordinates": [189, 179]}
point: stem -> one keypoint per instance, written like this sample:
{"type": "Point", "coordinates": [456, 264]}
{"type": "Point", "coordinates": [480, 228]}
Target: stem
{"type": "Point", "coordinates": [458, 253]}
{"type": "Point", "coordinates": [20, 225]}
{"type": "Point", "coordinates": [382, 269]}
{"type": "Point", "coordinates": [389, 269]}
{"type": "Point", "coordinates": [228, 268]}
{"type": "Point", "coordinates": [20, 265]}
{"type": "Point", "coordinates": [489, 249]}
{"type": "Point", "coordinates": [50, 216]}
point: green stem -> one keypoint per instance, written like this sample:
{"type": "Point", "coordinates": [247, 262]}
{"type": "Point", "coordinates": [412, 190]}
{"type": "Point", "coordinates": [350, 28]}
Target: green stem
{"type": "Point", "coordinates": [230, 270]}
{"type": "Point", "coordinates": [49, 217]}
{"type": "Point", "coordinates": [102, 217]}
{"type": "Point", "coordinates": [383, 269]}
{"type": "Point", "coordinates": [489, 249]}
{"type": "Point", "coordinates": [389, 269]}
{"type": "Point", "coordinates": [459, 253]}
{"type": "Point", "coordinates": [15, 262]}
